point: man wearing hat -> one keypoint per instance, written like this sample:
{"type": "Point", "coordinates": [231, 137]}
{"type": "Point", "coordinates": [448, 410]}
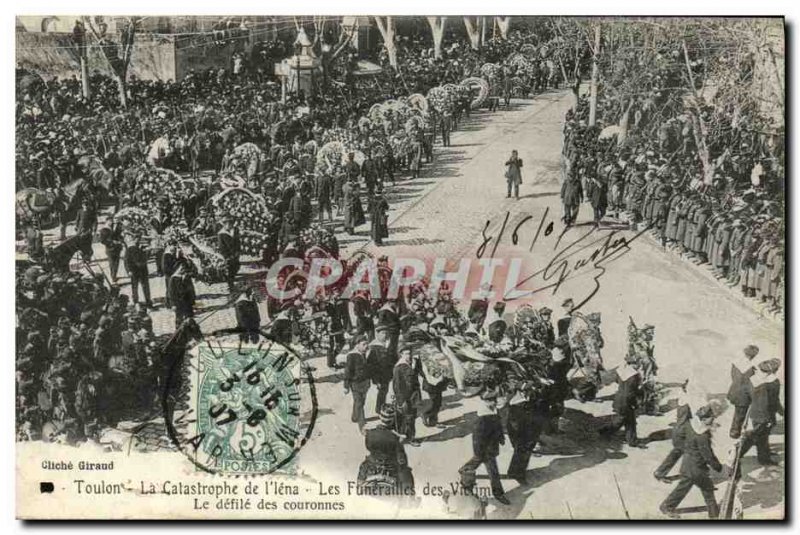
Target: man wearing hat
{"type": "Point", "coordinates": [740, 391]}
{"type": "Point", "coordinates": [626, 400]}
{"type": "Point", "coordinates": [389, 320]}
{"type": "Point", "coordinates": [381, 366]}
{"type": "Point", "coordinates": [697, 458]}
{"type": "Point", "coordinates": [136, 266]}
{"type": "Point", "coordinates": [479, 308]}
{"type": "Point", "coordinates": [229, 245]}
{"type": "Point", "coordinates": [549, 335]}
{"type": "Point", "coordinates": [563, 323]}
{"type": "Point", "coordinates": [765, 405]}
{"type": "Point", "coordinates": [386, 452]}
{"type": "Point", "coordinates": [487, 437]}
{"type": "Point", "coordinates": [248, 317]}
{"type": "Point", "coordinates": [356, 378]}
{"type": "Point", "coordinates": [182, 293]}
{"type": "Point", "coordinates": [405, 382]}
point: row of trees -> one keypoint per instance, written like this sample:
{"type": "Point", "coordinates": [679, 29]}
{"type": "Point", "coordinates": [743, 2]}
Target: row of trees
{"type": "Point", "coordinates": [720, 79]}
{"type": "Point", "coordinates": [476, 27]}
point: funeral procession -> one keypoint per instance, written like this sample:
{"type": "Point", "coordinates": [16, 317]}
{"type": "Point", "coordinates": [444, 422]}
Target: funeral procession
{"type": "Point", "coordinates": [400, 267]}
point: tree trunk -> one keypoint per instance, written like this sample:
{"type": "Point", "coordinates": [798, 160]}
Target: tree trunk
{"type": "Point", "coordinates": [87, 92]}
{"type": "Point", "coordinates": [121, 86]}
{"type": "Point", "coordinates": [472, 31]}
{"type": "Point", "coordinates": [698, 126]}
{"type": "Point", "coordinates": [437, 28]}
{"type": "Point", "coordinates": [386, 27]}
{"type": "Point", "coordinates": [623, 124]}
{"type": "Point", "coordinates": [503, 23]}
{"type": "Point", "coordinates": [593, 95]}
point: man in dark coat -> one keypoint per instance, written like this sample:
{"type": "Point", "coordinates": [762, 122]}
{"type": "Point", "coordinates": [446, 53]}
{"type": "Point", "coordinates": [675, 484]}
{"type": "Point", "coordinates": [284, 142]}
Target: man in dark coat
{"type": "Point", "coordinates": [563, 323]}
{"type": "Point", "coordinates": [248, 317]}
{"type": "Point", "coordinates": [386, 453]}
{"type": "Point", "coordinates": [336, 327]}
{"type": "Point", "coordinates": [183, 294]}
{"type": "Point", "coordinates": [740, 391]}
{"type": "Point", "coordinates": [697, 458]}
{"type": "Point", "coordinates": [381, 367]}
{"type": "Point", "coordinates": [405, 382]}
{"type": "Point", "coordinates": [369, 170]}
{"type": "Point", "coordinates": [169, 264]}
{"type": "Point", "coordinates": [765, 405]}
{"type": "Point", "coordinates": [136, 265]}
{"type": "Point", "coordinates": [379, 228]}
{"type": "Point", "coordinates": [479, 309]}
{"type": "Point", "coordinates": [526, 421]}
{"type": "Point", "coordinates": [679, 432]}
{"type": "Point", "coordinates": [446, 125]}
{"type": "Point", "coordinates": [356, 379]}
{"type": "Point", "coordinates": [229, 247]}
{"type": "Point", "coordinates": [324, 191]}
{"type": "Point", "coordinates": [626, 401]}
{"type": "Point", "coordinates": [487, 437]}
{"type": "Point", "coordinates": [389, 320]}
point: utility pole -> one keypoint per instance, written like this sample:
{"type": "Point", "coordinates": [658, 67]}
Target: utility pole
{"type": "Point", "coordinates": [483, 30]}
{"type": "Point", "coordinates": [593, 95]}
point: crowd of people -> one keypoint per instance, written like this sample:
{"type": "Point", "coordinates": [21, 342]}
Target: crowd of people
{"type": "Point", "coordinates": [734, 224]}
{"type": "Point", "coordinates": [162, 163]}
{"type": "Point", "coordinates": [179, 192]}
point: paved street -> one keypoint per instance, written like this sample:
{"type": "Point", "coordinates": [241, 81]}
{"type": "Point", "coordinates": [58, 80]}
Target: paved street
{"type": "Point", "coordinates": [700, 327]}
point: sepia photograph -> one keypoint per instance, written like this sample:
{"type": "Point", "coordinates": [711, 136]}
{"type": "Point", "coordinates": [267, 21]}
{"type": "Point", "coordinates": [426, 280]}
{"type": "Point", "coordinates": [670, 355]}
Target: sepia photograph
{"type": "Point", "coordinates": [400, 267]}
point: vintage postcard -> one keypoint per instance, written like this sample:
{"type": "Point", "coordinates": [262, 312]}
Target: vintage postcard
{"type": "Point", "coordinates": [400, 267]}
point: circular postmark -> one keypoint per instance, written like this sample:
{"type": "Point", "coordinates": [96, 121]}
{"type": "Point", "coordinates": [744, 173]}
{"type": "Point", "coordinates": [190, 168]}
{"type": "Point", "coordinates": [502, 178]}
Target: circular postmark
{"type": "Point", "coordinates": [238, 403]}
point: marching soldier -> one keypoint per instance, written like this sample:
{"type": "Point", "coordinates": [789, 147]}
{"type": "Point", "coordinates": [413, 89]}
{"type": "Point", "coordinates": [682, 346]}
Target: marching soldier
{"type": "Point", "coordinates": [356, 379]}
{"type": "Point", "coordinates": [697, 458]}
{"type": "Point", "coordinates": [765, 405]}
{"type": "Point", "coordinates": [381, 367]}
{"type": "Point", "coordinates": [487, 437]}
{"type": "Point", "coordinates": [626, 401]}
{"type": "Point", "coordinates": [740, 392]}
{"type": "Point", "coordinates": [405, 382]}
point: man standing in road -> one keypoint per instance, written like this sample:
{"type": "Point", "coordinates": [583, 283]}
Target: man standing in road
{"type": "Point", "coordinates": [513, 174]}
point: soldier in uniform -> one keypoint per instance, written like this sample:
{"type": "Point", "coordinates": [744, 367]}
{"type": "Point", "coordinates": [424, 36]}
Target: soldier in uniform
{"type": "Point", "coordinates": [487, 437]}
{"type": "Point", "coordinates": [229, 247]}
{"type": "Point", "coordinates": [741, 391]}
{"type": "Point", "coordinates": [697, 458]}
{"type": "Point", "coordinates": [356, 379]}
{"type": "Point", "coordinates": [626, 400]}
{"type": "Point", "coordinates": [765, 405]}
{"type": "Point", "coordinates": [563, 323]}
{"type": "Point", "coordinates": [381, 367]}
{"type": "Point", "coordinates": [405, 382]}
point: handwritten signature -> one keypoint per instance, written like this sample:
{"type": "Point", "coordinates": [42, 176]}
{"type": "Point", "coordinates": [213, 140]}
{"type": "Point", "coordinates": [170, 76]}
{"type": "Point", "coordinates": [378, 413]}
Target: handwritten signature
{"type": "Point", "coordinates": [589, 254]}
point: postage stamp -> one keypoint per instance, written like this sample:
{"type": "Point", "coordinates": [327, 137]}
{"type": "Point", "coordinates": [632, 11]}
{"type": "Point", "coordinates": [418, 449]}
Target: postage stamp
{"type": "Point", "coordinates": [247, 406]}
